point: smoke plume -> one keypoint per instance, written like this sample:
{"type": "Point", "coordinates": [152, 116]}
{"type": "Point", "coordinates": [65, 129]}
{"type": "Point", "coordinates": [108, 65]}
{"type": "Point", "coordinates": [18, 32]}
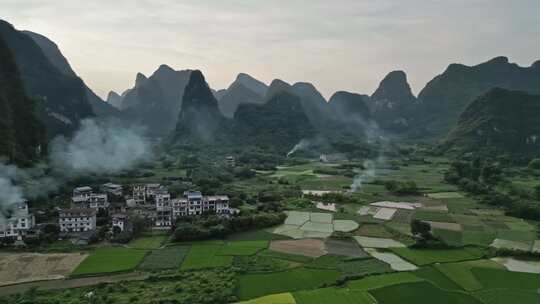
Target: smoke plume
{"type": "Point", "coordinates": [366, 174]}
{"type": "Point", "coordinates": [303, 144]}
{"type": "Point", "coordinates": [97, 147]}
{"type": "Point", "coordinates": [100, 147]}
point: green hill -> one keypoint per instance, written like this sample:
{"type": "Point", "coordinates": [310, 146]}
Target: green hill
{"type": "Point", "coordinates": [500, 120]}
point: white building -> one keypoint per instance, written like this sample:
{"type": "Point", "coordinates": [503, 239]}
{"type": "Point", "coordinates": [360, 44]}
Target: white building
{"type": "Point", "coordinates": [120, 220]}
{"type": "Point", "coordinates": [146, 194]}
{"type": "Point", "coordinates": [85, 197]}
{"type": "Point", "coordinates": [17, 222]}
{"type": "Point", "coordinates": [77, 220]}
{"type": "Point", "coordinates": [193, 203]}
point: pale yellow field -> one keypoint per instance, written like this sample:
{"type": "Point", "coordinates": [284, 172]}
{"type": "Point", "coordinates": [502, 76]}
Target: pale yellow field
{"type": "Point", "coordinates": [28, 267]}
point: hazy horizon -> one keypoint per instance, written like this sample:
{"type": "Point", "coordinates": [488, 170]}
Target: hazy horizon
{"type": "Point", "coordinates": [345, 45]}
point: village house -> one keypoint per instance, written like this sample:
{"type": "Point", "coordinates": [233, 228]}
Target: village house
{"type": "Point", "coordinates": [145, 194]}
{"type": "Point", "coordinates": [120, 220]}
{"type": "Point", "coordinates": [85, 197]}
{"type": "Point", "coordinates": [113, 189]}
{"type": "Point", "coordinates": [17, 223]}
{"type": "Point", "coordinates": [77, 220]}
{"type": "Point", "coordinates": [192, 203]}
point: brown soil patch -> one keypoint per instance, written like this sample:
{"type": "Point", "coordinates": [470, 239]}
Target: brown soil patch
{"type": "Point", "coordinates": [307, 247]}
{"type": "Point", "coordinates": [28, 267]}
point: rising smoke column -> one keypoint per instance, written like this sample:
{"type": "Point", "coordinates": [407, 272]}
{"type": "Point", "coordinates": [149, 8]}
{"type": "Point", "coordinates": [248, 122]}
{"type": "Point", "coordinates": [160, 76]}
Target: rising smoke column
{"type": "Point", "coordinates": [303, 144]}
{"type": "Point", "coordinates": [98, 147]}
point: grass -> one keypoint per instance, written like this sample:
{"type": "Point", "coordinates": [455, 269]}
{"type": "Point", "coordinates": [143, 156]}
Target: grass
{"type": "Point", "coordinates": [374, 282]}
{"type": "Point", "coordinates": [516, 236]}
{"type": "Point", "coordinates": [256, 235]}
{"type": "Point", "coordinates": [498, 278]}
{"type": "Point", "coordinates": [477, 238]}
{"type": "Point", "coordinates": [445, 195]}
{"type": "Point", "coordinates": [282, 298]}
{"type": "Point", "coordinates": [374, 230]}
{"type": "Point", "coordinates": [166, 258]}
{"type": "Point", "coordinates": [505, 296]}
{"type": "Point", "coordinates": [110, 260]}
{"type": "Point", "coordinates": [257, 264]}
{"type": "Point", "coordinates": [421, 257]}
{"type": "Point", "coordinates": [434, 216]}
{"type": "Point", "coordinates": [420, 293]}
{"type": "Point", "coordinates": [449, 237]}
{"type": "Point", "coordinates": [148, 242]}
{"type": "Point", "coordinates": [460, 273]}
{"type": "Point", "coordinates": [256, 285]}
{"type": "Point", "coordinates": [243, 247]}
{"type": "Point", "coordinates": [332, 295]}
{"type": "Point", "coordinates": [431, 274]}
{"type": "Point", "coordinates": [205, 256]}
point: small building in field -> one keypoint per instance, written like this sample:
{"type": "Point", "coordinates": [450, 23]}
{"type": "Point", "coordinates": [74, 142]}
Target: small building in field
{"type": "Point", "coordinates": [77, 220]}
{"type": "Point", "coordinates": [16, 221]}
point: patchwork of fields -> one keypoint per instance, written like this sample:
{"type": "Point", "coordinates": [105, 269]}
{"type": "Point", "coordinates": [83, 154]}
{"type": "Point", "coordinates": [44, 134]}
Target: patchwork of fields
{"type": "Point", "coordinates": [347, 256]}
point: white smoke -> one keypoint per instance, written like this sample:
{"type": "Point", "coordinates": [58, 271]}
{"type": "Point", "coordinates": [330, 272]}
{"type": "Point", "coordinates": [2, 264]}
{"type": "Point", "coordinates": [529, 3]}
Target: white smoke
{"type": "Point", "coordinates": [366, 174]}
{"type": "Point", "coordinates": [98, 147]}
{"type": "Point", "coordinates": [303, 144]}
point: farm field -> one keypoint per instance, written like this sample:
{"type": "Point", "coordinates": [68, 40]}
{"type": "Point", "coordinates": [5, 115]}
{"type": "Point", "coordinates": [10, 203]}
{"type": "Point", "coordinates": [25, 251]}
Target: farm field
{"type": "Point", "coordinates": [256, 285]}
{"type": "Point", "coordinates": [28, 267]}
{"type": "Point", "coordinates": [461, 273]}
{"type": "Point", "coordinates": [421, 257]}
{"type": "Point", "coordinates": [282, 298]}
{"type": "Point", "coordinates": [206, 256]}
{"type": "Point", "coordinates": [236, 248]}
{"type": "Point", "coordinates": [110, 260]}
{"type": "Point", "coordinates": [420, 292]}
{"type": "Point", "coordinates": [166, 258]}
{"type": "Point", "coordinates": [333, 295]}
{"type": "Point", "coordinates": [148, 242]}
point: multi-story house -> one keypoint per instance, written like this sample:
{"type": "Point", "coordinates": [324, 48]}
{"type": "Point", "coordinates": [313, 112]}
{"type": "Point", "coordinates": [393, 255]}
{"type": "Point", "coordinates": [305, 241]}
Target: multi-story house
{"type": "Point", "coordinates": [85, 197]}
{"type": "Point", "coordinates": [193, 203]}
{"type": "Point", "coordinates": [120, 220]}
{"type": "Point", "coordinates": [146, 194]}
{"type": "Point", "coordinates": [18, 222]}
{"type": "Point", "coordinates": [77, 220]}
{"type": "Point", "coordinates": [113, 189]}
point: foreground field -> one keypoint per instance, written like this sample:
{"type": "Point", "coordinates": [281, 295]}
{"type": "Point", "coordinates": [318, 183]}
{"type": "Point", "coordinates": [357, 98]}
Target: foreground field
{"type": "Point", "coordinates": [257, 285]}
{"type": "Point", "coordinates": [110, 260]}
{"type": "Point", "coordinates": [28, 267]}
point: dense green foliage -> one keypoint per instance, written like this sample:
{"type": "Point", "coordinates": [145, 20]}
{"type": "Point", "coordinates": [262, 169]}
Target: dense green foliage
{"type": "Point", "coordinates": [499, 121]}
{"type": "Point", "coordinates": [201, 228]}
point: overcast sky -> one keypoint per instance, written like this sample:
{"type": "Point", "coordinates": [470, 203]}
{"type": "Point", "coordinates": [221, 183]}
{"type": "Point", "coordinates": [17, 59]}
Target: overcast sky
{"type": "Point", "coordinates": [337, 45]}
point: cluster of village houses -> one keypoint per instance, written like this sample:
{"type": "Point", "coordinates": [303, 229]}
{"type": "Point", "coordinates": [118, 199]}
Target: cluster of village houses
{"type": "Point", "coordinates": [151, 201]}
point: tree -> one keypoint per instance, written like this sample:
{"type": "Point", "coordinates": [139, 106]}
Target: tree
{"type": "Point", "coordinates": [421, 229]}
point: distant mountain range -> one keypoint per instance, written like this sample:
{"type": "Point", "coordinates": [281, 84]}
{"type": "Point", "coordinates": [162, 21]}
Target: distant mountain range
{"type": "Point", "coordinates": [154, 102]}
{"type": "Point", "coordinates": [172, 102]}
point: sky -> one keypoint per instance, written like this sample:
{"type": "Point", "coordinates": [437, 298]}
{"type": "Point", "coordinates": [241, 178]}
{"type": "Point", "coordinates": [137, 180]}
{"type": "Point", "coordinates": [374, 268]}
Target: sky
{"type": "Point", "coordinates": [336, 45]}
